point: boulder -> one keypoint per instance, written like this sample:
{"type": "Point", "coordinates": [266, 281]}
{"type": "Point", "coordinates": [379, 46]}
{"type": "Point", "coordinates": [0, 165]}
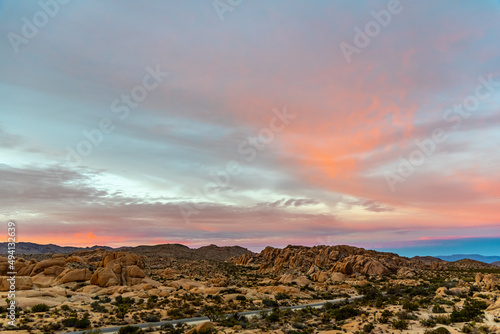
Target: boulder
{"type": "Point", "coordinates": [202, 328]}
{"type": "Point", "coordinates": [74, 275]}
{"type": "Point", "coordinates": [104, 277]}
{"type": "Point", "coordinates": [43, 281]}
{"type": "Point", "coordinates": [41, 266]}
{"type": "Point", "coordinates": [53, 270]}
{"type": "Point", "coordinates": [21, 283]}
{"type": "Point", "coordinates": [26, 270]}
{"type": "Point", "coordinates": [441, 291]}
{"type": "Point", "coordinates": [490, 282]}
{"type": "Point", "coordinates": [134, 271]}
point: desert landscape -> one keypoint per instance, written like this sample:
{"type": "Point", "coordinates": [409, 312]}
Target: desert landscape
{"type": "Point", "coordinates": [247, 167]}
{"type": "Point", "coordinates": [90, 290]}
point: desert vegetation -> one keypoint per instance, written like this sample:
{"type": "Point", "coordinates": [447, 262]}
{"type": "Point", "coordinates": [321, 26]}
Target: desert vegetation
{"type": "Point", "coordinates": [96, 289]}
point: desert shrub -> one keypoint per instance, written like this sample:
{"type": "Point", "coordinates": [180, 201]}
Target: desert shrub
{"type": "Point", "coordinates": [369, 292]}
{"type": "Point", "coordinates": [273, 317]}
{"type": "Point", "coordinates": [119, 300]}
{"type": "Point", "coordinates": [406, 316]}
{"type": "Point", "coordinates": [472, 311]}
{"type": "Point", "coordinates": [438, 309]}
{"type": "Point", "coordinates": [281, 296]}
{"type": "Point", "coordinates": [40, 308]}
{"type": "Point", "coordinates": [130, 330]}
{"type": "Point", "coordinates": [213, 313]}
{"type": "Point", "coordinates": [442, 319]}
{"type": "Point", "coordinates": [241, 297]}
{"type": "Point", "coordinates": [97, 307]}
{"type": "Point", "coordinates": [400, 324]}
{"type": "Point", "coordinates": [345, 312]}
{"type": "Point", "coordinates": [151, 318]}
{"type": "Point", "coordinates": [439, 330]}
{"type": "Point", "coordinates": [410, 306]}
{"type": "Point", "coordinates": [77, 323]}
{"type": "Point", "coordinates": [65, 308]}
{"type": "Point", "coordinates": [368, 328]}
{"type": "Point", "coordinates": [428, 322]}
{"type": "Point", "coordinates": [269, 303]}
{"type": "Point", "coordinates": [331, 306]}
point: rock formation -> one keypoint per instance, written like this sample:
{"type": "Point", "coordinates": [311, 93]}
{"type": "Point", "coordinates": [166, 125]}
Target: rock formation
{"type": "Point", "coordinates": [320, 262]}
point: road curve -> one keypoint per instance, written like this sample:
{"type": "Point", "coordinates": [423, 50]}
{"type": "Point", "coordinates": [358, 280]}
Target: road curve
{"type": "Point", "coordinates": [198, 320]}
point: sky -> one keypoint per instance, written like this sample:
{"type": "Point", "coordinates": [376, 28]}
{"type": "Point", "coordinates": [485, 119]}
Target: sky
{"type": "Point", "coordinates": [252, 123]}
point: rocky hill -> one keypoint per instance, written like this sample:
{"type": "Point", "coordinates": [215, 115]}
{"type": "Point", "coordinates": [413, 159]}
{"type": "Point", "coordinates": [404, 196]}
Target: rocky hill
{"type": "Point", "coordinates": [497, 263]}
{"type": "Point", "coordinates": [101, 267]}
{"type": "Point", "coordinates": [316, 260]}
{"type": "Point", "coordinates": [177, 251]}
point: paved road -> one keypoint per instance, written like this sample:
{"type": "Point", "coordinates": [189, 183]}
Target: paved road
{"type": "Point", "coordinates": [199, 320]}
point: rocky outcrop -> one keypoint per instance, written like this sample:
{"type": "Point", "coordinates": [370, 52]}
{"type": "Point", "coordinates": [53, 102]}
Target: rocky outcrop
{"type": "Point", "coordinates": [119, 268]}
{"type": "Point", "coordinates": [487, 282]}
{"type": "Point", "coordinates": [104, 277]}
{"type": "Point", "coordinates": [314, 261]}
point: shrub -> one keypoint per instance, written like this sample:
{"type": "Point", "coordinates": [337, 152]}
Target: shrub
{"type": "Point", "coordinates": [368, 328]}
{"type": "Point", "coordinates": [400, 324]}
{"type": "Point", "coordinates": [269, 303]}
{"type": "Point", "coordinates": [281, 296]}
{"type": "Point", "coordinates": [442, 319]}
{"type": "Point", "coordinates": [369, 292]}
{"type": "Point", "coordinates": [65, 308]}
{"type": "Point", "coordinates": [241, 297]}
{"type": "Point", "coordinates": [40, 308]}
{"type": "Point", "coordinates": [439, 330]}
{"type": "Point", "coordinates": [472, 311]}
{"type": "Point", "coordinates": [151, 318]}
{"type": "Point", "coordinates": [97, 307]}
{"type": "Point", "coordinates": [438, 309]}
{"type": "Point", "coordinates": [130, 330]}
{"type": "Point", "coordinates": [409, 306]}
{"type": "Point", "coordinates": [77, 323]}
{"type": "Point", "coordinates": [428, 322]}
{"type": "Point", "coordinates": [345, 312]}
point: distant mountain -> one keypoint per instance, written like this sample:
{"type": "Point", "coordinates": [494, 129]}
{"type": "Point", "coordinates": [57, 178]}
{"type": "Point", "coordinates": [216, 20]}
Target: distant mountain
{"type": "Point", "coordinates": [477, 257]}
{"type": "Point", "coordinates": [496, 263]}
{"type": "Point", "coordinates": [470, 264]}
{"type": "Point", "coordinates": [174, 251]}
{"type": "Point", "coordinates": [177, 251]}
{"type": "Point", "coordinates": [32, 248]}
